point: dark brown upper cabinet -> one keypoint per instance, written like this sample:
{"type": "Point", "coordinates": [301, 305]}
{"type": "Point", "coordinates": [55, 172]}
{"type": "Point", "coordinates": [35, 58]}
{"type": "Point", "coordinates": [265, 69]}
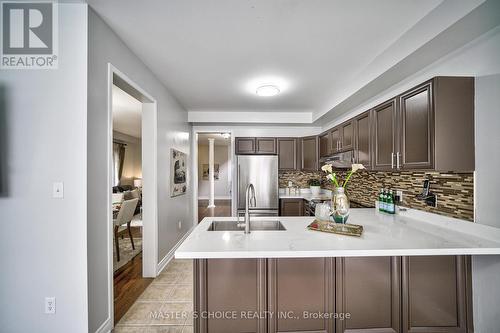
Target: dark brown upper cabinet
{"type": "Point", "coordinates": [309, 151]}
{"type": "Point", "coordinates": [427, 127]}
{"type": "Point", "coordinates": [440, 304]}
{"type": "Point", "coordinates": [363, 139]}
{"type": "Point", "coordinates": [384, 135]}
{"type": "Point", "coordinates": [369, 289]}
{"type": "Point", "coordinates": [335, 139]}
{"type": "Point", "coordinates": [347, 136]}
{"type": "Point", "coordinates": [287, 154]}
{"type": "Point", "coordinates": [265, 146]}
{"type": "Point", "coordinates": [245, 146]}
{"type": "Point", "coordinates": [416, 128]}
{"type": "Point", "coordinates": [453, 123]}
{"type": "Point", "coordinates": [325, 144]}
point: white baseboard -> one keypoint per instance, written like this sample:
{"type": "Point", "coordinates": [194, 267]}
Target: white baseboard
{"type": "Point", "coordinates": [106, 327]}
{"type": "Point", "coordinates": [170, 255]}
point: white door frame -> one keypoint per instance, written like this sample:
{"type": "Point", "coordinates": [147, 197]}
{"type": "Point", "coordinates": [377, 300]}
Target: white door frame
{"type": "Point", "coordinates": [149, 178]}
{"type": "Point", "coordinates": [194, 166]}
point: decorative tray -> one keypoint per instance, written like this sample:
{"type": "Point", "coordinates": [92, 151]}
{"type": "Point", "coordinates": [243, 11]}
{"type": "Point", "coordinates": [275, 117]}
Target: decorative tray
{"type": "Point", "coordinates": [336, 228]}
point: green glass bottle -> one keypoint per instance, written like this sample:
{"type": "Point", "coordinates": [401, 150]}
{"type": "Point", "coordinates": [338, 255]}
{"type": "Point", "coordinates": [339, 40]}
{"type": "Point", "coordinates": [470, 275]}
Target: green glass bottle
{"type": "Point", "coordinates": [391, 209]}
{"type": "Point", "coordinates": [381, 200]}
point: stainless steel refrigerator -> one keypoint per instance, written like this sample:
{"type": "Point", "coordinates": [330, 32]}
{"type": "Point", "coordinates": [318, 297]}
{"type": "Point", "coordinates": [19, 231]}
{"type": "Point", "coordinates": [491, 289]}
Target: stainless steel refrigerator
{"type": "Point", "coordinates": [262, 172]}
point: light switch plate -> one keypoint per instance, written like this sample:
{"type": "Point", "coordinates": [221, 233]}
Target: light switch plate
{"type": "Point", "coordinates": [58, 190]}
{"type": "Point", "coordinates": [50, 305]}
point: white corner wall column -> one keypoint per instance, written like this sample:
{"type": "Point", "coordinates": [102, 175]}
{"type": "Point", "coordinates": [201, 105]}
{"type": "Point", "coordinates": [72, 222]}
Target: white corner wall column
{"type": "Point", "coordinates": [211, 177]}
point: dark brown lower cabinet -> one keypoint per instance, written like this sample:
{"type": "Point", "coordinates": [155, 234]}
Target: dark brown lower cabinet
{"type": "Point", "coordinates": [436, 295]}
{"type": "Point", "coordinates": [368, 289]}
{"type": "Point", "coordinates": [291, 207]}
{"type": "Point", "coordinates": [300, 290]}
{"type": "Point", "coordinates": [228, 295]}
{"type": "Point", "coordinates": [421, 294]}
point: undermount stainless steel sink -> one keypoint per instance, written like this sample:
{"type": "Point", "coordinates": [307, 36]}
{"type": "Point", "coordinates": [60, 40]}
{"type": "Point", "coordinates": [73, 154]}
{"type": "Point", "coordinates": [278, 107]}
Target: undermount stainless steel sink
{"type": "Point", "coordinates": [255, 225]}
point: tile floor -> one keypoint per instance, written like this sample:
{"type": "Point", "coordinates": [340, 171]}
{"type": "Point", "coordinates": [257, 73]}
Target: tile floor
{"type": "Point", "coordinates": [166, 305]}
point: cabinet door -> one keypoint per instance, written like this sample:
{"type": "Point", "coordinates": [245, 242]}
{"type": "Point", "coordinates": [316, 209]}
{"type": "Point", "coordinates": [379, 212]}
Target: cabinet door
{"type": "Point", "coordinates": [265, 146]}
{"type": "Point", "coordinates": [296, 286]}
{"type": "Point", "coordinates": [347, 136]}
{"type": "Point", "coordinates": [368, 288]}
{"type": "Point", "coordinates": [287, 153]}
{"type": "Point", "coordinates": [309, 148]}
{"type": "Point", "coordinates": [325, 145]}
{"type": "Point", "coordinates": [245, 146]}
{"type": "Point", "coordinates": [363, 142]}
{"type": "Point", "coordinates": [225, 285]}
{"type": "Point", "coordinates": [417, 139]}
{"type": "Point", "coordinates": [335, 134]}
{"type": "Point", "coordinates": [384, 118]}
{"type": "Point", "coordinates": [291, 207]}
{"type": "Point", "coordinates": [434, 294]}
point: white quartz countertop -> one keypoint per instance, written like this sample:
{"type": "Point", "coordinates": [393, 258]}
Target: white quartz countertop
{"type": "Point", "coordinates": [406, 234]}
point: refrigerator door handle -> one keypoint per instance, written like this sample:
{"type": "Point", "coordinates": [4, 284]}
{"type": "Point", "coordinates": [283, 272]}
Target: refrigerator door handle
{"type": "Point", "coordinates": [238, 187]}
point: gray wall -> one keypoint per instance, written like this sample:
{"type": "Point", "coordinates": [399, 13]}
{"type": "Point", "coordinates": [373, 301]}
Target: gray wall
{"type": "Point", "coordinates": [486, 269]}
{"type": "Point", "coordinates": [43, 240]}
{"type": "Point", "coordinates": [173, 132]}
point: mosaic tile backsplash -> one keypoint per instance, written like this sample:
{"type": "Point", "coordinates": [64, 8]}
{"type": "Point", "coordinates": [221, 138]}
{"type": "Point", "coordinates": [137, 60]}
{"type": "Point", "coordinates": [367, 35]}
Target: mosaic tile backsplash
{"type": "Point", "coordinates": [455, 191]}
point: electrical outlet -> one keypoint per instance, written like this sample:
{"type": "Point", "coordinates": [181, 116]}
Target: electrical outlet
{"type": "Point", "coordinates": [179, 225]}
{"type": "Point", "coordinates": [50, 305]}
{"type": "Point", "coordinates": [399, 194]}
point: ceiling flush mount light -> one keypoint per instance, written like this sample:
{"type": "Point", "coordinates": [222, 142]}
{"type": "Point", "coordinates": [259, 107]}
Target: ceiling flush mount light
{"type": "Point", "coordinates": [267, 90]}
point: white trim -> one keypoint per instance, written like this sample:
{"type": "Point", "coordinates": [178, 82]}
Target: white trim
{"type": "Point", "coordinates": [106, 327]}
{"type": "Point", "coordinates": [171, 254]}
{"type": "Point", "coordinates": [194, 175]}
{"type": "Point", "coordinates": [269, 117]}
{"type": "Point", "coordinates": [150, 189]}
{"type": "Point", "coordinates": [109, 214]}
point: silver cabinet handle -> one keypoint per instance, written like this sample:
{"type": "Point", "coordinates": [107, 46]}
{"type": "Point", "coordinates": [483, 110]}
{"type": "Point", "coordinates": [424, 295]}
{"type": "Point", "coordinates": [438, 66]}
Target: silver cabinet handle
{"type": "Point", "coordinates": [397, 160]}
{"type": "Point", "coordinates": [392, 160]}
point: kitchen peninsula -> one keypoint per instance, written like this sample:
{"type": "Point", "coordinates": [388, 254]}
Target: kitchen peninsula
{"type": "Point", "coordinates": [384, 281]}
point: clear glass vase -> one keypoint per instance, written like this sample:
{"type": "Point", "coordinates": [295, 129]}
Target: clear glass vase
{"type": "Point", "coordinates": [340, 205]}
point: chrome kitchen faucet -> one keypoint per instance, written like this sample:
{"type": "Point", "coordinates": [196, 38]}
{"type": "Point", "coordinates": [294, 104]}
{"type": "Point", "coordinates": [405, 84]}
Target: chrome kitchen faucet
{"type": "Point", "coordinates": [248, 201]}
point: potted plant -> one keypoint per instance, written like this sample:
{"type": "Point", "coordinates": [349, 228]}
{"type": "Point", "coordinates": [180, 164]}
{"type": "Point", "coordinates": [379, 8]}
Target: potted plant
{"type": "Point", "coordinates": [315, 186]}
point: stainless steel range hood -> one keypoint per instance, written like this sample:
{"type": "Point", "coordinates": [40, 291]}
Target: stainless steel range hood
{"type": "Point", "coordinates": [342, 160]}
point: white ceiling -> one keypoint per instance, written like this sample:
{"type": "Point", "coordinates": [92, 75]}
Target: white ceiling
{"type": "Point", "coordinates": [127, 113]}
{"type": "Point", "coordinates": [213, 54]}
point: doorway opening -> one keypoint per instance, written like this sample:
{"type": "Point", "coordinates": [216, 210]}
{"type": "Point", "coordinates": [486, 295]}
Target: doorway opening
{"type": "Point", "coordinates": [214, 185]}
{"type": "Point", "coordinates": [133, 230]}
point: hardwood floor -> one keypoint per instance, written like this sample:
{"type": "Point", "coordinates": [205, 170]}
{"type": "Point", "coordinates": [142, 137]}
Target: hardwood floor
{"type": "Point", "coordinates": [129, 284]}
{"type": "Point", "coordinates": [222, 208]}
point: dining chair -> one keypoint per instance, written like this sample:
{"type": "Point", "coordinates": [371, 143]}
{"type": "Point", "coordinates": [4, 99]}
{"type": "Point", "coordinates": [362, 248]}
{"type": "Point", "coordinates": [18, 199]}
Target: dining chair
{"type": "Point", "coordinates": [124, 216]}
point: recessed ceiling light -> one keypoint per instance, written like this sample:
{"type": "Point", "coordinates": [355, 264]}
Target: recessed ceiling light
{"type": "Point", "coordinates": [267, 90]}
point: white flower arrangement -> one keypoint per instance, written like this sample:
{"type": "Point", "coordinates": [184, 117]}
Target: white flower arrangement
{"type": "Point", "coordinates": [332, 176]}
